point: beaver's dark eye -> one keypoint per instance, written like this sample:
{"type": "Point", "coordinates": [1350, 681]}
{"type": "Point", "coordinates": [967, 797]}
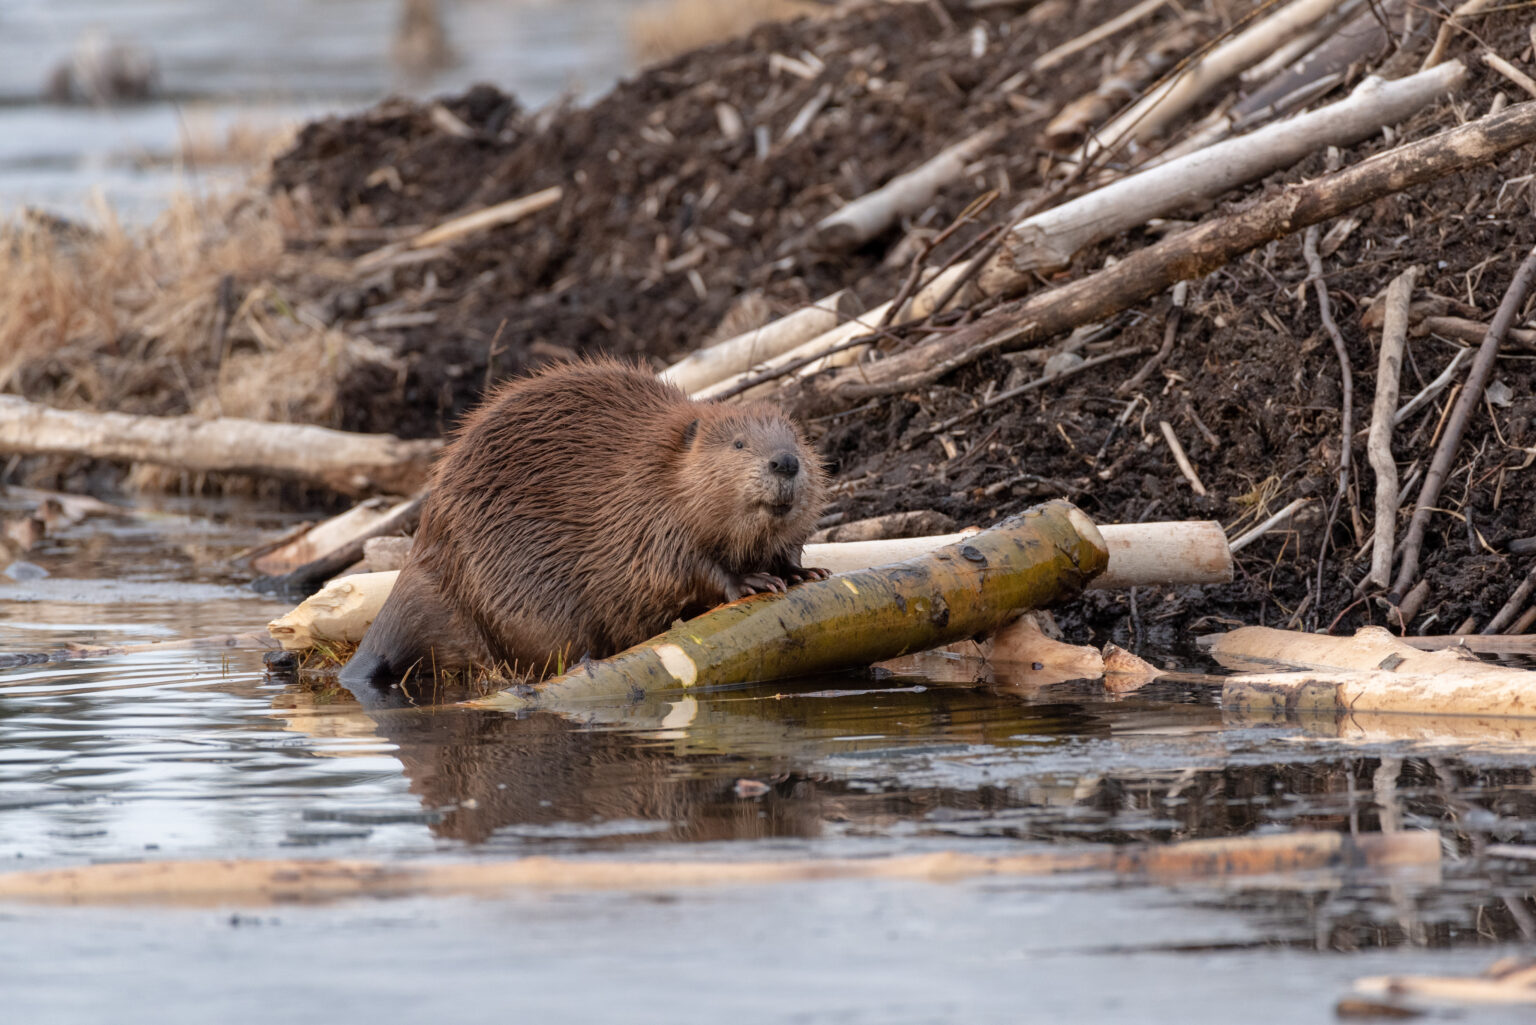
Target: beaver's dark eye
{"type": "Point", "coordinates": [740, 443]}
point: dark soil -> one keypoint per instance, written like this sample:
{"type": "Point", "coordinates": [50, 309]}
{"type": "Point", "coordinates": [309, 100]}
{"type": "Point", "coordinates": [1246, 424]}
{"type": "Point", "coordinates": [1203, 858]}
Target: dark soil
{"type": "Point", "coordinates": [669, 227]}
{"type": "Point", "coordinates": [667, 224]}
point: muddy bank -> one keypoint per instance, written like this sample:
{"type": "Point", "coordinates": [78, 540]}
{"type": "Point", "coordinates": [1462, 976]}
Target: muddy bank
{"type": "Point", "coordinates": [686, 198]}
{"type": "Point", "coordinates": [687, 195]}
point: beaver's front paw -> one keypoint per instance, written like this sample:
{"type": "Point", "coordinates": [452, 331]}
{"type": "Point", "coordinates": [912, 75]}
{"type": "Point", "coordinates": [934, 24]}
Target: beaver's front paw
{"type": "Point", "coordinates": [754, 583]}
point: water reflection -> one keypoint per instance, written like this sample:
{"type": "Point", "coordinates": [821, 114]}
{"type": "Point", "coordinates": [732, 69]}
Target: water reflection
{"type": "Point", "coordinates": [737, 765]}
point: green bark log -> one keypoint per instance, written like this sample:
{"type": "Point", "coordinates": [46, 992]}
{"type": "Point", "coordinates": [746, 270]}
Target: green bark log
{"type": "Point", "coordinates": [1043, 556]}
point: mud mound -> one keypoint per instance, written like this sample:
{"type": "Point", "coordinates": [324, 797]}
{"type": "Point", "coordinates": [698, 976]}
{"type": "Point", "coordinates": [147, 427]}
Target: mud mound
{"type": "Point", "coordinates": [686, 194]}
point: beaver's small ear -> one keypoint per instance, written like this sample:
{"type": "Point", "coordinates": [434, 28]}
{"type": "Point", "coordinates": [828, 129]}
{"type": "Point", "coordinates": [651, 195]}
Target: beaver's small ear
{"type": "Point", "coordinates": [689, 433]}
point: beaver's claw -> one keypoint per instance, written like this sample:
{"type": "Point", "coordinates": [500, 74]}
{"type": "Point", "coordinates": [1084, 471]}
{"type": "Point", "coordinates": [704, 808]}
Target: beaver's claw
{"type": "Point", "coordinates": [754, 583]}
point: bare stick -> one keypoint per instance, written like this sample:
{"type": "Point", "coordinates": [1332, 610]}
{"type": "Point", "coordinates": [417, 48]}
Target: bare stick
{"type": "Point", "coordinates": [1471, 397]}
{"type": "Point", "coordinates": [1179, 457]}
{"type": "Point", "coordinates": [1149, 116]}
{"type": "Point", "coordinates": [1050, 239]}
{"type": "Point", "coordinates": [1335, 48]}
{"type": "Point", "coordinates": [1447, 28]}
{"type": "Point", "coordinates": [808, 113]}
{"type": "Point", "coordinates": [1511, 985]}
{"type": "Point", "coordinates": [1389, 368]}
{"type": "Point", "coordinates": [846, 341]}
{"type": "Point", "coordinates": [1024, 389]}
{"type": "Point", "coordinates": [401, 519]}
{"type": "Point", "coordinates": [1282, 517]}
{"type": "Point", "coordinates": [1409, 607]}
{"type": "Point", "coordinates": [1464, 330]}
{"type": "Point", "coordinates": [1499, 644]}
{"type": "Point", "coordinates": [1514, 606]}
{"type": "Point", "coordinates": [902, 196]}
{"type": "Point", "coordinates": [1347, 384]}
{"type": "Point", "coordinates": [1170, 333]}
{"type": "Point", "coordinates": [738, 354]}
{"type": "Point", "coordinates": [467, 224]}
{"type": "Point", "coordinates": [1510, 72]}
{"type": "Point", "coordinates": [1051, 58]}
{"type": "Point", "coordinates": [1372, 671]}
{"type": "Point", "coordinates": [1433, 388]}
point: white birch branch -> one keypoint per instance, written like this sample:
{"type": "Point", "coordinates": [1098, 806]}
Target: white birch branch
{"type": "Point", "coordinates": [1049, 239]}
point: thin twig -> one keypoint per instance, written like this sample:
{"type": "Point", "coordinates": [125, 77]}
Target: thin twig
{"type": "Point", "coordinates": [1185, 466]}
{"type": "Point", "coordinates": [1510, 72]}
{"type": "Point", "coordinates": [1347, 382]}
{"type": "Point", "coordinates": [1433, 388]}
{"type": "Point", "coordinates": [977, 262]}
{"type": "Point", "coordinates": [1029, 386]}
{"type": "Point", "coordinates": [1471, 397]}
{"type": "Point", "coordinates": [1283, 516]}
{"type": "Point", "coordinates": [915, 276]}
{"type": "Point", "coordinates": [1514, 606]}
{"type": "Point", "coordinates": [1125, 414]}
{"type": "Point", "coordinates": [786, 369]}
{"type": "Point", "coordinates": [1170, 332]}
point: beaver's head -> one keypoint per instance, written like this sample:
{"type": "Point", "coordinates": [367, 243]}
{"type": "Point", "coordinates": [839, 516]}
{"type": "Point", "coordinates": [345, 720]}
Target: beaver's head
{"type": "Point", "coordinates": [752, 476]}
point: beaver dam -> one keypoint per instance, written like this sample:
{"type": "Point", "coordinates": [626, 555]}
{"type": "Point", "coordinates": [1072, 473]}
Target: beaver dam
{"type": "Point", "coordinates": [1201, 334]}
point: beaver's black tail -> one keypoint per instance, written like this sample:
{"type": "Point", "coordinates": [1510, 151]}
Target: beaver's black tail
{"type": "Point", "coordinates": [414, 633]}
{"type": "Point", "coordinates": [366, 669]}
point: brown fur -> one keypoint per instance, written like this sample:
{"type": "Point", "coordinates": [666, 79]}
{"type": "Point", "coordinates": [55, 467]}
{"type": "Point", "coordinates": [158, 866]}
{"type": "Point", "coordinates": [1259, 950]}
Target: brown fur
{"type": "Point", "coordinates": [583, 509]}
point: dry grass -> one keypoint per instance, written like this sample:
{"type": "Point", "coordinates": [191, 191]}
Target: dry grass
{"type": "Point", "coordinates": [666, 28]}
{"type": "Point", "coordinates": [104, 317]}
{"type": "Point", "coordinates": [246, 143]}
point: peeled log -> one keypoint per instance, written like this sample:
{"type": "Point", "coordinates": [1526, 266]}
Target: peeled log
{"type": "Point", "coordinates": [352, 464]}
{"type": "Point", "coordinates": [1372, 671]}
{"type": "Point", "coordinates": [1146, 118]}
{"type": "Point", "coordinates": [1140, 555]}
{"type": "Point", "coordinates": [320, 538]}
{"type": "Point", "coordinates": [251, 882]}
{"type": "Point", "coordinates": [1043, 556]}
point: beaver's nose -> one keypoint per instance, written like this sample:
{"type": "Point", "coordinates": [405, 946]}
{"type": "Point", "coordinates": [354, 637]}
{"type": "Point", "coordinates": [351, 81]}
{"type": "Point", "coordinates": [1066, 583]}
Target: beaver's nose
{"type": "Point", "coordinates": [785, 463]}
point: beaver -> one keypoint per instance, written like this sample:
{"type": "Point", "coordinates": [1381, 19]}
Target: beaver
{"type": "Point", "coordinates": [584, 508]}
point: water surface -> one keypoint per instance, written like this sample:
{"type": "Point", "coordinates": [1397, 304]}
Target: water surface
{"type": "Point", "coordinates": [189, 754]}
{"type": "Point", "coordinates": [260, 66]}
